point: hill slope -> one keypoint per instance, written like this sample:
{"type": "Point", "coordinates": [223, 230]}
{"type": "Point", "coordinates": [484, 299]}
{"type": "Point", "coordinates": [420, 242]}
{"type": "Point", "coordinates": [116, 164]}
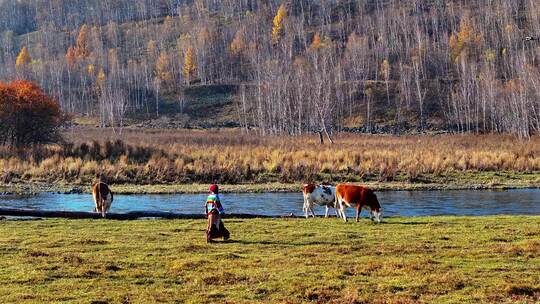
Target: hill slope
{"type": "Point", "coordinates": [284, 68]}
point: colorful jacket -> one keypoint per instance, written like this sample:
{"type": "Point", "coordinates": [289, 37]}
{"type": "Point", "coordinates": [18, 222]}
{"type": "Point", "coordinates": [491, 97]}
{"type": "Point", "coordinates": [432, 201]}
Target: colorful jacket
{"type": "Point", "coordinates": [213, 203]}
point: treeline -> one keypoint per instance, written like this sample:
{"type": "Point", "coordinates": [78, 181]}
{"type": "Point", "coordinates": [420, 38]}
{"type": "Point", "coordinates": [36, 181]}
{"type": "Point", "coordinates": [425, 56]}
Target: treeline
{"type": "Point", "coordinates": [299, 66]}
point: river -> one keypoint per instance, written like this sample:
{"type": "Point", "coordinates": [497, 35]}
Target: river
{"type": "Point", "coordinates": [394, 203]}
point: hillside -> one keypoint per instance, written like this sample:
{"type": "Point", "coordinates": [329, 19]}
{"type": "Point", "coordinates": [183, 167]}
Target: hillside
{"type": "Point", "coordinates": [283, 67]}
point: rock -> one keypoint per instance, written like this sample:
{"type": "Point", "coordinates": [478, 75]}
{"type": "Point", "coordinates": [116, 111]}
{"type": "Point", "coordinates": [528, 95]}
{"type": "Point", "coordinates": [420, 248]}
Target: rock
{"type": "Point", "coordinates": [76, 190]}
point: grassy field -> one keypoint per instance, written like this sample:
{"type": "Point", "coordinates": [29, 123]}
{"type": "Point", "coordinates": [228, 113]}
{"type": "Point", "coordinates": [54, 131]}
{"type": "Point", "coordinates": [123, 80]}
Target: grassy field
{"type": "Point", "coordinates": [405, 260]}
{"type": "Point", "coordinates": [165, 161]}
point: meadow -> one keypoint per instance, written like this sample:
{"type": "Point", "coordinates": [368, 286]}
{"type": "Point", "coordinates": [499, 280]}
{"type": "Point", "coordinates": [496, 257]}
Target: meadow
{"type": "Point", "coordinates": [170, 159]}
{"type": "Point", "coordinates": [493, 259]}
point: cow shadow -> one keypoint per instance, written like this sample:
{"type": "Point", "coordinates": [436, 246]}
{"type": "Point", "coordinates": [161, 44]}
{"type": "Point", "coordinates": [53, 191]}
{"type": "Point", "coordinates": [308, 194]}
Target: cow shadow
{"type": "Point", "coordinates": [405, 223]}
{"type": "Point", "coordinates": [284, 243]}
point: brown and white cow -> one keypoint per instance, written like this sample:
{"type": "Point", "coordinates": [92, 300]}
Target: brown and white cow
{"type": "Point", "coordinates": [322, 195]}
{"type": "Point", "coordinates": [103, 197]}
{"type": "Point", "coordinates": [357, 197]}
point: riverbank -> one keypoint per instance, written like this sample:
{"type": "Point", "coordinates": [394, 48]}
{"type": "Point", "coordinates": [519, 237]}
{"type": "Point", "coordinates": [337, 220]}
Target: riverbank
{"type": "Point", "coordinates": [32, 189]}
{"type": "Point", "coordinates": [452, 181]}
{"type": "Point", "coordinates": [405, 260]}
{"type": "Point", "coordinates": [35, 188]}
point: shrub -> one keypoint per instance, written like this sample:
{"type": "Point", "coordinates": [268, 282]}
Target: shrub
{"type": "Point", "coordinates": [27, 115]}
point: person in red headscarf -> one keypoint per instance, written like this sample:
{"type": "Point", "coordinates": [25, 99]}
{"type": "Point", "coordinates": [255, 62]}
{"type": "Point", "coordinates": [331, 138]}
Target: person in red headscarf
{"type": "Point", "coordinates": [214, 210]}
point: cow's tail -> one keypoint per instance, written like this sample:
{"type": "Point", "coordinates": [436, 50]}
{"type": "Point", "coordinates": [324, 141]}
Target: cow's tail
{"type": "Point", "coordinates": [104, 203]}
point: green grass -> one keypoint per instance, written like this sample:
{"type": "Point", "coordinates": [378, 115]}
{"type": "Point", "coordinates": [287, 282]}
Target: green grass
{"type": "Point", "coordinates": [405, 260]}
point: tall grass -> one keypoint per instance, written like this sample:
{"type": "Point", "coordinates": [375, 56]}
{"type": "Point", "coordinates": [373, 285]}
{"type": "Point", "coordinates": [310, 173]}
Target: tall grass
{"type": "Point", "coordinates": [229, 156]}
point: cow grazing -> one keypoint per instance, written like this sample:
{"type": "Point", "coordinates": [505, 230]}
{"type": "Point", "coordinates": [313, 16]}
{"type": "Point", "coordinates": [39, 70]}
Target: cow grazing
{"type": "Point", "coordinates": [322, 195]}
{"type": "Point", "coordinates": [103, 197]}
{"type": "Point", "coordinates": [358, 197]}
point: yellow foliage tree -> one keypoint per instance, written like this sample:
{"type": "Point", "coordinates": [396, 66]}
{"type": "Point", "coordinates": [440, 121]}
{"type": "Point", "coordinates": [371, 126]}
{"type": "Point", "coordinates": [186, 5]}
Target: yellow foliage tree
{"type": "Point", "coordinates": [463, 41]}
{"type": "Point", "coordinates": [100, 84]}
{"type": "Point", "coordinates": [277, 30]}
{"type": "Point", "coordinates": [385, 73]}
{"type": "Point", "coordinates": [385, 69]}
{"type": "Point", "coordinates": [90, 69]}
{"type": "Point", "coordinates": [82, 44]}
{"type": "Point", "coordinates": [23, 59]}
{"type": "Point", "coordinates": [101, 75]}
{"type": "Point", "coordinates": [189, 70]}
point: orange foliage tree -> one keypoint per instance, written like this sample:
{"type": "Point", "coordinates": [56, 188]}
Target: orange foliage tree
{"type": "Point", "coordinates": [28, 115]}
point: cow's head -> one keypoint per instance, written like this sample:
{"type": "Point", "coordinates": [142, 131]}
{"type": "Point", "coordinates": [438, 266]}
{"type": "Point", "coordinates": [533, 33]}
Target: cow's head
{"type": "Point", "coordinates": [376, 214]}
{"type": "Point", "coordinates": [308, 188]}
{"type": "Point", "coordinates": [327, 189]}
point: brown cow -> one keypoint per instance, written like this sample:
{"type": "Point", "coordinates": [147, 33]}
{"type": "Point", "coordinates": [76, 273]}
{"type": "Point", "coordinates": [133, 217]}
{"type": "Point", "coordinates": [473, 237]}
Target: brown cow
{"type": "Point", "coordinates": [103, 197]}
{"type": "Point", "coordinates": [358, 197]}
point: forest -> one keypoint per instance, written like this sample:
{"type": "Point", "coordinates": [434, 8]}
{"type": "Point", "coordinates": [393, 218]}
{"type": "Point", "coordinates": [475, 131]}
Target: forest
{"type": "Point", "coordinates": [293, 67]}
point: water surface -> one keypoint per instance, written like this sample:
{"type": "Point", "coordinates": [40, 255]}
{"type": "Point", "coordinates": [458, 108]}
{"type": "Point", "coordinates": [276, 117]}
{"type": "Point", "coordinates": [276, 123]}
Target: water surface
{"type": "Point", "coordinates": [394, 203]}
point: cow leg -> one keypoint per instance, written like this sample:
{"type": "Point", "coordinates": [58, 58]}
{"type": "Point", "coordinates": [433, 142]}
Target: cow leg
{"type": "Point", "coordinates": [357, 212]}
{"type": "Point", "coordinates": [305, 207]}
{"type": "Point", "coordinates": [311, 210]}
{"type": "Point", "coordinates": [342, 209]}
{"type": "Point", "coordinates": [336, 209]}
{"type": "Point", "coordinates": [103, 206]}
{"type": "Point", "coordinates": [326, 212]}
{"type": "Point", "coordinates": [95, 203]}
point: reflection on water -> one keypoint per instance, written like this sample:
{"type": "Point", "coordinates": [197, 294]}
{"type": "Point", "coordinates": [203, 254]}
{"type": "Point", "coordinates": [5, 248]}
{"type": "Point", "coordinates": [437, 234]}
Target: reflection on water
{"type": "Point", "coordinates": [394, 203]}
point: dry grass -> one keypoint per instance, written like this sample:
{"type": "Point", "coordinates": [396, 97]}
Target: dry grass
{"type": "Point", "coordinates": [229, 156]}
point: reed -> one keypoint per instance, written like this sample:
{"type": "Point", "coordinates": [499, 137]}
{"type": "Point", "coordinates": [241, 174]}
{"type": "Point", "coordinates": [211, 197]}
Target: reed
{"type": "Point", "coordinates": [230, 156]}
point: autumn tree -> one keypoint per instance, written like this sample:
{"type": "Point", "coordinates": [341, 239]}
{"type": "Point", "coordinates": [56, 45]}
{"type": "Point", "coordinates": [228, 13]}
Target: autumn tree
{"type": "Point", "coordinates": [163, 76]}
{"type": "Point", "coordinates": [316, 43]}
{"type": "Point", "coordinates": [385, 73]}
{"type": "Point", "coordinates": [71, 57]}
{"type": "Point", "coordinates": [277, 29]}
{"type": "Point", "coordinates": [82, 48]}
{"type": "Point", "coordinates": [23, 60]}
{"type": "Point", "coordinates": [189, 70]}
{"type": "Point", "coordinates": [239, 49]}
{"type": "Point", "coordinates": [238, 45]}
{"type": "Point", "coordinates": [28, 115]}
{"type": "Point", "coordinates": [464, 41]}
